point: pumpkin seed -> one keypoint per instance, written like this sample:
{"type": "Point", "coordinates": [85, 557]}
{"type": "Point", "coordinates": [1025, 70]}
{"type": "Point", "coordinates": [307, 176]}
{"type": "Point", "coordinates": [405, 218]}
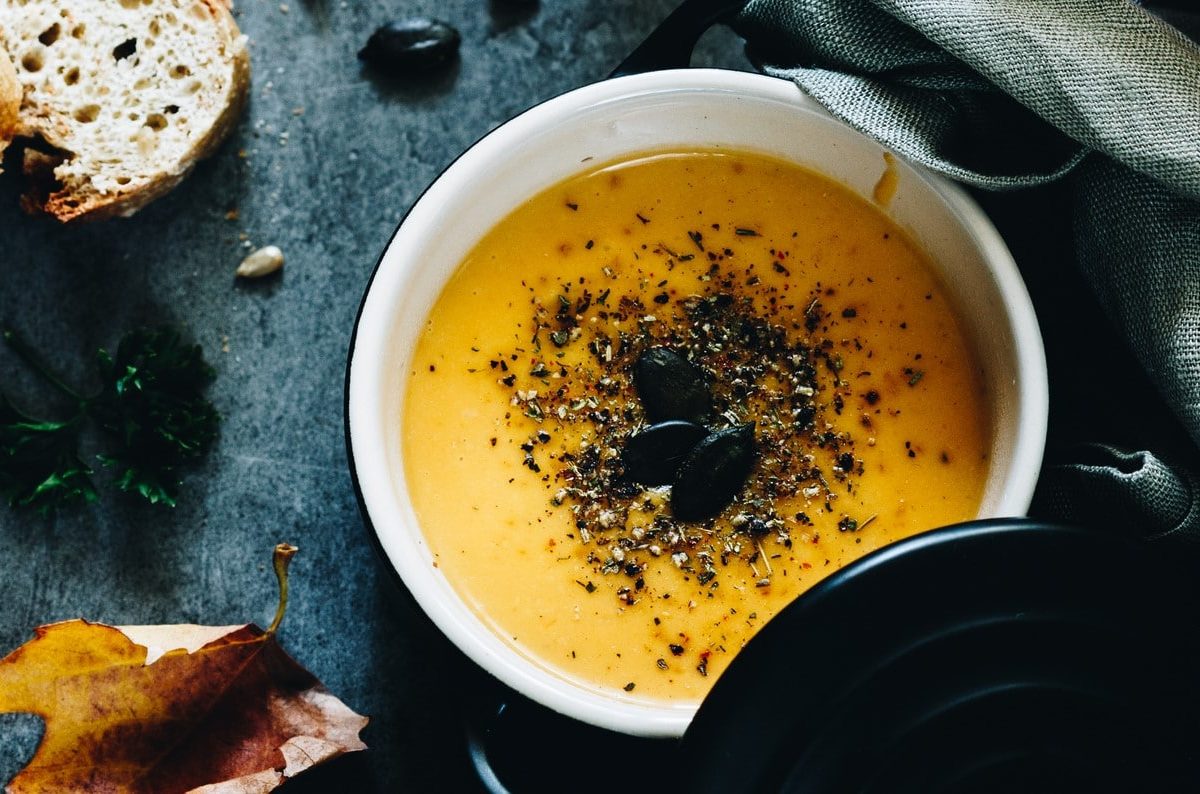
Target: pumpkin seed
{"type": "Point", "coordinates": [713, 473]}
{"type": "Point", "coordinates": [262, 262]}
{"type": "Point", "coordinates": [671, 387]}
{"type": "Point", "coordinates": [411, 45]}
{"type": "Point", "coordinates": [652, 456]}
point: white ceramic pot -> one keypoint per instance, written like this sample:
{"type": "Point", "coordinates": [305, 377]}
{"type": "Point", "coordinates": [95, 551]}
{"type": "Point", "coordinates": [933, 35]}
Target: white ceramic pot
{"type": "Point", "coordinates": [674, 109]}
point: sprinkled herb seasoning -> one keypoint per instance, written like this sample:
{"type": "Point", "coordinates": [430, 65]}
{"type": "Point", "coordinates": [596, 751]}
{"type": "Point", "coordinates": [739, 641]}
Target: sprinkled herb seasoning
{"type": "Point", "coordinates": [739, 354]}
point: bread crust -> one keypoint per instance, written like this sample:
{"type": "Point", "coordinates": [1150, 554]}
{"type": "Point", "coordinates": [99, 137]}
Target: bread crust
{"type": "Point", "coordinates": [68, 206]}
{"type": "Point", "coordinates": [10, 101]}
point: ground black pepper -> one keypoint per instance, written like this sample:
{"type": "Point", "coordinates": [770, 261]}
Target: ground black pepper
{"type": "Point", "coordinates": [773, 366]}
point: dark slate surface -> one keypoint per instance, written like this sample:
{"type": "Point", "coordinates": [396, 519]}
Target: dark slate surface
{"type": "Point", "coordinates": [324, 164]}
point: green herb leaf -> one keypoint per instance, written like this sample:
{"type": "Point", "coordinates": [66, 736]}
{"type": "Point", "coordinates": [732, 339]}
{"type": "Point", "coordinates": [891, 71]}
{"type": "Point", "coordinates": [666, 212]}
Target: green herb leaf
{"type": "Point", "coordinates": [39, 463]}
{"type": "Point", "coordinates": [153, 407]}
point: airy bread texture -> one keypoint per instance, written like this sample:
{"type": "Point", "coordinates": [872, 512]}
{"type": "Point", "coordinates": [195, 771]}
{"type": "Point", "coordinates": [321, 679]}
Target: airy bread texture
{"type": "Point", "coordinates": [128, 94]}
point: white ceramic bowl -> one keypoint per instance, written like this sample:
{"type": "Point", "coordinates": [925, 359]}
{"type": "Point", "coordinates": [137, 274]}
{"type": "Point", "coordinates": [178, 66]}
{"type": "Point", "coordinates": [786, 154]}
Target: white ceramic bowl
{"type": "Point", "coordinates": [702, 108]}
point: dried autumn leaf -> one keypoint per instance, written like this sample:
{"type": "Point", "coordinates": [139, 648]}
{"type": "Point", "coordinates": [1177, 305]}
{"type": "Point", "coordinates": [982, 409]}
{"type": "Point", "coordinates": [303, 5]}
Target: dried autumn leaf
{"type": "Point", "coordinates": [164, 709]}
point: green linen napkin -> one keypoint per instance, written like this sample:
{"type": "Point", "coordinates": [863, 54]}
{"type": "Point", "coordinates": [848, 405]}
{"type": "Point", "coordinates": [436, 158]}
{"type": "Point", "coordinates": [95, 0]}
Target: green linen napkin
{"type": "Point", "coordinates": [1100, 97]}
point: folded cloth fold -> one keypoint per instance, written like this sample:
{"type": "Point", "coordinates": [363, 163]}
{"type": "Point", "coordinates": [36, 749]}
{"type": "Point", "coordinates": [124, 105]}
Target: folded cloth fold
{"type": "Point", "coordinates": [1131, 490]}
{"type": "Point", "coordinates": [1020, 93]}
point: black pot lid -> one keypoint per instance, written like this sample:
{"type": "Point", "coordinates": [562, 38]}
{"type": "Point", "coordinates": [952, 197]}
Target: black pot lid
{"type": "Point", "coordinates": [1006, 656]}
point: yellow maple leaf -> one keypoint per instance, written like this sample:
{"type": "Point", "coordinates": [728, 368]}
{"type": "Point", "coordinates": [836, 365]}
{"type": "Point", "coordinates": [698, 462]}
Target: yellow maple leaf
{"type": "Point", "coordinates": [164, 709]}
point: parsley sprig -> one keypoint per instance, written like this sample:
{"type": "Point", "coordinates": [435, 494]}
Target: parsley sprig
{"type": "Point", "coordinates": [151, 412]}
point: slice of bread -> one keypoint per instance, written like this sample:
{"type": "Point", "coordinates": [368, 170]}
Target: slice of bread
{"type": "Point", "coordinates": [120, 98]}
{"type": "Point", "coordinates": [10, 101]}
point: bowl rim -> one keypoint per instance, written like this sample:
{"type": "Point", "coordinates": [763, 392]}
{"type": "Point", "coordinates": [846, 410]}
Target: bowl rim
{"type": "Point", "coordinates": [517, 671]}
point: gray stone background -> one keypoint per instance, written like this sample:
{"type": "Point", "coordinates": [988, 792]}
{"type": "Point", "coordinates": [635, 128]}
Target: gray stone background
{"type": "Point", "coordinates": [324, 164]}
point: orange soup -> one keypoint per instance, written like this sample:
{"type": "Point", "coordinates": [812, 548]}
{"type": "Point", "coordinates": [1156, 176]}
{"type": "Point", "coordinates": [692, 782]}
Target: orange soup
{"type": "Point", "coordinates": [822, 398]}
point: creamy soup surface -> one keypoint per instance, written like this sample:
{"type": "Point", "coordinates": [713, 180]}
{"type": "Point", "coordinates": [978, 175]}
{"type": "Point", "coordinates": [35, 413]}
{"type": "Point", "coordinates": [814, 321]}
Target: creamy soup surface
{"type": "Point", "coordinates": [808, 312]}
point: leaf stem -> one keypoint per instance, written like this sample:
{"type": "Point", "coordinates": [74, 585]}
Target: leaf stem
{"type": "Point", "coordinates": [30, 356]}
{"type": "Point", "coordinates": [283, 557]}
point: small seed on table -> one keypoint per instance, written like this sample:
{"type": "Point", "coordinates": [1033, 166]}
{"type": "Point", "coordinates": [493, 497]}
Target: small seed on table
{"type": "Point", "coordinates": [411, 45]}
{"type": "Point", "coordinates": [262, 262]}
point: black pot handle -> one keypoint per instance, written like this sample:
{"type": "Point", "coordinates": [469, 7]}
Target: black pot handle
{"type": "Point", "coordinates": [670, 45]}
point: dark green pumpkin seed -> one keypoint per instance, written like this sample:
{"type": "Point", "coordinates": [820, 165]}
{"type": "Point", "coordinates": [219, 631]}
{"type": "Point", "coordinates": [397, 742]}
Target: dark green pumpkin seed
{"type": "Point", "coordinates": [671, 387]}
{"type": "Point", "coordinates": [713, 473]}
{"type": "Point", "coordinates": [411, 45]}
{"type": "Point", "coordinates": [652, 456]}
